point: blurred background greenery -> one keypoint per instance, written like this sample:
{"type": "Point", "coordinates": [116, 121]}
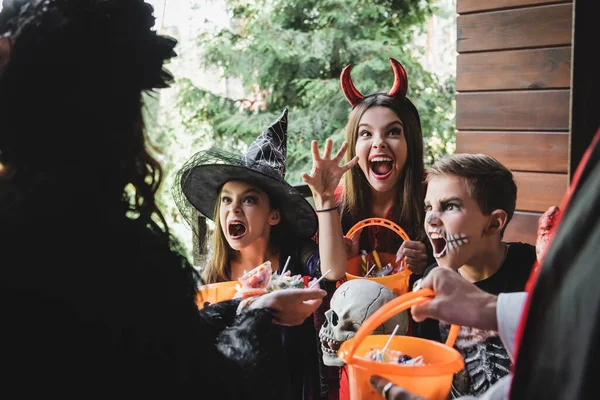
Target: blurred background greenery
{"type": "Point", "coordinates": [241, 62]}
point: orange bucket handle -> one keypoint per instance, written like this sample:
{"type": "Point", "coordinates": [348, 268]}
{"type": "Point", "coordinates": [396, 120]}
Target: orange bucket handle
{"type": "Point", "coordinates": [379, 222]}
{"type": "Point", "coordinates": [392, 308]}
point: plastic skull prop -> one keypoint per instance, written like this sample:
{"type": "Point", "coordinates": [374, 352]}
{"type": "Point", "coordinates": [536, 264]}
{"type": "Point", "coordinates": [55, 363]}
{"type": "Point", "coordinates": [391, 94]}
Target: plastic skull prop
{"type": "Point", "coordinates": [352, 303]}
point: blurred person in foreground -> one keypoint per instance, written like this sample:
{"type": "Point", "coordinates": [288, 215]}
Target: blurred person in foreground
{"type": "Point", "coordinates": [96, 296]}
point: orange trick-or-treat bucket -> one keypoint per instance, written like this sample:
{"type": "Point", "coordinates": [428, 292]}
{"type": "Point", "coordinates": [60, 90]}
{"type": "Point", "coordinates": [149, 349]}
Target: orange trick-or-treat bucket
{"type": "Point", "coordinates": [431, 380]}
{"type": "Point", "coordinates": [398, 282]}
{"type": "Point", "coordinates": [215, 292]}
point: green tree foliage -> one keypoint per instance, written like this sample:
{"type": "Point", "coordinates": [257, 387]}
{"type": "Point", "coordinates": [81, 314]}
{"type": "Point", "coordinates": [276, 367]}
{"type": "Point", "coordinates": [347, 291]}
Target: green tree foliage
{"type": "Point", "coordinates": [291, 53]}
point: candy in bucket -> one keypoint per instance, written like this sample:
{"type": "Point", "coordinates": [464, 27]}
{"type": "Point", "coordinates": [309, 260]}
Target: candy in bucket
{"type": "Point", "coordinates": [397, 279]}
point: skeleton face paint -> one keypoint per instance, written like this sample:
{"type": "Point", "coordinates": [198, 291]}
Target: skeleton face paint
{"type": "Point", "coordinates": [352, 303]}
{"type": "Point", "coordinates": [444, 242]}
{"type": "Point", "coordinates": [454, 222]}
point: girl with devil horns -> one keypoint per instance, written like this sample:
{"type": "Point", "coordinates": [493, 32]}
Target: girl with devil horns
{"type": "Point", "coordinates": [384, 133]}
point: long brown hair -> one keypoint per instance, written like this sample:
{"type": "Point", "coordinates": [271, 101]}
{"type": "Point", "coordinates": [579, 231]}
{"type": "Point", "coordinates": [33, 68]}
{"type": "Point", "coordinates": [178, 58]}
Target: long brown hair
{"type": "Point", "coordinates": [356, 199]}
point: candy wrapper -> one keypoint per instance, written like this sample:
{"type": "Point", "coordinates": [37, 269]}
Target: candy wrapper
{"type": "Point", "coordinates": [394, 357]}
{"type": "Point", "coordinates": [261, 280]}
{"type": "Point", "coordinates": [385, 271]}
{"type": "Point", "coordinates": [255, 282]}
{"type": "Point", "coordinates": [286, 281]}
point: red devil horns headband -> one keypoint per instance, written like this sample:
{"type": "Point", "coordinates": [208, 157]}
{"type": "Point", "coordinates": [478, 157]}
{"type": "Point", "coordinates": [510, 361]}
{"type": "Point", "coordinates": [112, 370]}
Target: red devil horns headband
{"type": "Point", "coordinates": [354, 96]}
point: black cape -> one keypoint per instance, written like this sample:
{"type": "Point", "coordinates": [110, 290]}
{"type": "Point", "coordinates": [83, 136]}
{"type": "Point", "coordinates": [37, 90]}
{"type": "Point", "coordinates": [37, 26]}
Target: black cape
{"type": "Point", "coordinates": [561, 339]}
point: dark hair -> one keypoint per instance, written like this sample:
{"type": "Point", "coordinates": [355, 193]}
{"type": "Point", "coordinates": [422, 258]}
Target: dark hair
{"type": "Point", "coordinates": [71, 99]}
{"type": "Point", "coordinates": [490, 183]}
{"type": "Point", "coordinates": [411, 191]}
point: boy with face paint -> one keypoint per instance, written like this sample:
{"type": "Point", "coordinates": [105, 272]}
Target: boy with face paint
{"type": "Point", "coordinates": [469, 202]}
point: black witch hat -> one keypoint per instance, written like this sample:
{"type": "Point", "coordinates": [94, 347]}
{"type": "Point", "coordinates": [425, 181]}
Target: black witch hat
{"type": "Point", "coordinates": [199, 181]}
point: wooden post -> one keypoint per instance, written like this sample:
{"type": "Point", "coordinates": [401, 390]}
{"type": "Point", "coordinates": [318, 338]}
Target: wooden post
{"type": "Point", "coordinates": [585, 92]}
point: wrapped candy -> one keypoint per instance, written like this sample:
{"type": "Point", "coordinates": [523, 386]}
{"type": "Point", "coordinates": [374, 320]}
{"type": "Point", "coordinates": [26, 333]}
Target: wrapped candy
{"type": "Point", "coordinates": [286, 281]}
{"type": "Point", "coordinates": [261, 280]}
{"type": "Point", "coordinates": [385, 271]}
{"type": "Point", "coordinates": [255, 282]}
{"type": "Point", "coordinates": [257, 278]}
{"type": "Point", "coordinates": [394, 357]}
{"type": "Point", "coordinates": [380, 355]}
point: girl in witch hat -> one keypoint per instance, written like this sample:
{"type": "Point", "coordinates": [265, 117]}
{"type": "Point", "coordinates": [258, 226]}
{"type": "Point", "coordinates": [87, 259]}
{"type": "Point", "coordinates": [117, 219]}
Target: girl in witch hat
{"type": "Point", "coordinates": [260, 217]}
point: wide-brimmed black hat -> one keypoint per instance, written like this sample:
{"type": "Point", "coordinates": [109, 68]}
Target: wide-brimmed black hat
{"type": "Point", "coordinates": [199, 182]}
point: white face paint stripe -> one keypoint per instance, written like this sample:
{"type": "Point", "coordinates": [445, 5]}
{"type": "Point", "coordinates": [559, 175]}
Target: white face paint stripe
{"type": "Point", "coordinates": [454, 241]}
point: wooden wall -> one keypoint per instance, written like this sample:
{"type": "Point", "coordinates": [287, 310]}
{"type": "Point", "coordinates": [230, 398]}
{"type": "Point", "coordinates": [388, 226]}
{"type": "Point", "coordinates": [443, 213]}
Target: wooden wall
{"type": "Point", "coordinates": [513, 79]}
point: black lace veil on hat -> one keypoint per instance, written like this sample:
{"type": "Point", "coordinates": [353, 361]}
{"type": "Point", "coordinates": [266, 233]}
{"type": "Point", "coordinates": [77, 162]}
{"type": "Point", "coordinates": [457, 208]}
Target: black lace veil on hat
{"type": "Point", "coordinates": [198, 183]}
{"type": "Point", "coordinates": [70, 68]}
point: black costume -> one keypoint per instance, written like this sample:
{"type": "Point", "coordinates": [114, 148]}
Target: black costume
{"type": "Point", "coordinates": [560, 344]}
{"type": "Point", "coordinates": [95, 298]}
{"type": "Point", "coordinates": [486, 359]}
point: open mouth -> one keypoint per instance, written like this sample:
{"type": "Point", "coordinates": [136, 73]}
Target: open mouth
{"type": "Point", "coordinates": [443, 242]}
{"type": "Point", "coordinates": [236, 229]}
{"type": "Point", "coordinates": [330, 346]}
{"type": "Point", "coordinates": [381, 167]}
{"type": "Point", "coordinates": [439, 242]}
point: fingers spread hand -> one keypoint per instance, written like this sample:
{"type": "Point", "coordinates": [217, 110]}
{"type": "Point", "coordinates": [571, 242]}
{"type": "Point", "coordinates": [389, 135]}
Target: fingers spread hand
{"type": "Point", "coordinates": [340, 154]}
{"type": "Point", "coordinates": [327, 151]}
{"type": "Point", "coordinates": [350, 164]}
{"type": "Point", "coordinates": [314, 147]}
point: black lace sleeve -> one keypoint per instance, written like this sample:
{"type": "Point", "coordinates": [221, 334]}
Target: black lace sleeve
{"type": "Point", "coordinates": [252, 352]}
{"type": "Point", "coordinates": [220, 315]}
{"type": "Point", "coordinates": [249, 340]}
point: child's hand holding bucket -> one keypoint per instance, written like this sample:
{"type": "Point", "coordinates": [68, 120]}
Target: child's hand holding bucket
{"type": "Point", "coordinates": [352, 244]}
{"type": "Point", "coordinates": [415, 255]}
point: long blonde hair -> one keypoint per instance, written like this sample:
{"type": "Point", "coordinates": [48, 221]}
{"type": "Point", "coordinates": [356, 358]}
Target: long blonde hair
{"type": "Point", "coordinates": [356, 198]}
{"type": "Point", "coordinates": [217, 269]}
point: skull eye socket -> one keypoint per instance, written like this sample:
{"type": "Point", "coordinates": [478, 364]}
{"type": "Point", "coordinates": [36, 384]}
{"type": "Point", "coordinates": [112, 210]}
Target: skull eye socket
{"type": "Point", "coordinates": [334, 319]}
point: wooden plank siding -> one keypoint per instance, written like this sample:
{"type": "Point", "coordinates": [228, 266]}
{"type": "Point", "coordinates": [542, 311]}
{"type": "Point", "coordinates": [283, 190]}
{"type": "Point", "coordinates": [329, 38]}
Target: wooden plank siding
{"type": "Point", "coordinates": [519, 110]}
{"type": "Point", "coordinates": [538, 191]}
{"type": "Point", "coordinates": [514, 69]}
{"type": "Point", "coordinates": [522, 227]}
{"type": "Point", "coordinates": [519, 150]}
{"type": "Point", "coordinates": [513, 81]}
{"type": "Point", "coordinates": [515, 29]}
{"type": "Point", "coordinates": [468, 6]}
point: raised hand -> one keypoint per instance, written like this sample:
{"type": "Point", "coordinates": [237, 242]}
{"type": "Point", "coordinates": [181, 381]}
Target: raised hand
{"type": "Point", "coordinates": [326, 171]}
